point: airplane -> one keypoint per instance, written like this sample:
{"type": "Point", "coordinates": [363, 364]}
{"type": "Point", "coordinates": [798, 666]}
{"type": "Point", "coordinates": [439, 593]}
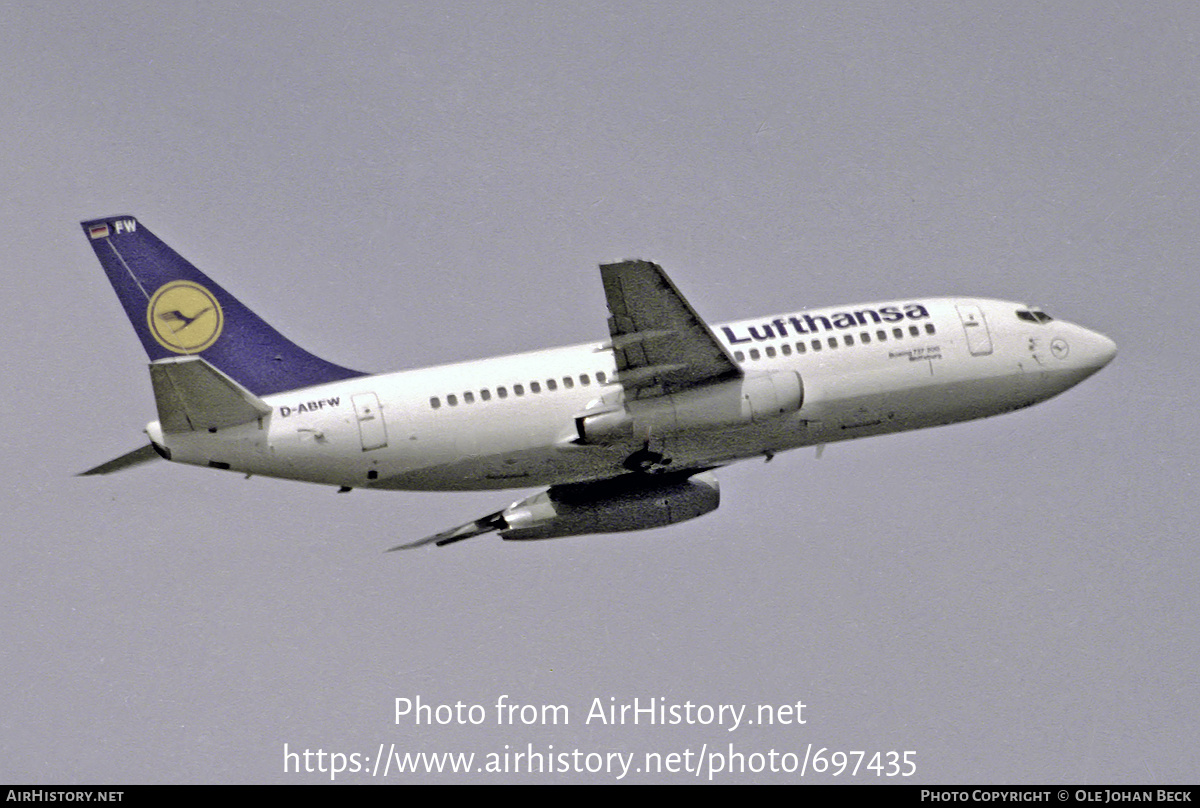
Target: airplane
{"type": "Point", "coordinates": [624, 433]}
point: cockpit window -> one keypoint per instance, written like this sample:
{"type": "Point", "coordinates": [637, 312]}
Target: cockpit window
{"type": "Point", "coordinates": [1033, 315]}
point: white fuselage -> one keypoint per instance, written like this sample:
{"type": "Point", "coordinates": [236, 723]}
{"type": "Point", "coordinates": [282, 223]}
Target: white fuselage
{"type": "Point", "coordinates": [510, 422]}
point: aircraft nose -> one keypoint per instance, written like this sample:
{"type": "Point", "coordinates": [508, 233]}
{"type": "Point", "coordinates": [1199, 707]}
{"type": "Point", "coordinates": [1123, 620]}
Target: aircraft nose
{"type": "Point", "coordinates": [1098, 350]}
{"type": "Point", "coordinates": [1105, 349]}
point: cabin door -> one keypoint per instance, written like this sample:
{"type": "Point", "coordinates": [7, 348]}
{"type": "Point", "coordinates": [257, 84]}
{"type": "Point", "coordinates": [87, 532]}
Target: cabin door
{"type": "Point", "coordinates": [979, 341]}
{"type": "Point", "coordinates": [371, 429]}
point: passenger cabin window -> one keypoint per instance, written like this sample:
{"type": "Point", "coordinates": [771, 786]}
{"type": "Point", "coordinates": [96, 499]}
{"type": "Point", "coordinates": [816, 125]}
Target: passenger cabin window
{"type": "Point", "coordinates": [468, 397]}
{"type": "Point", "coordinates": [452, 400]}
{"type": "Point", "coordinates": [502, 392]}
{"type": "Point", "coordinates": [485, 394]}
{"type": "Point", "coordinates": [435, 402]}
{"type": "Point", "coordinates": [518, 389]}
{"type": "Point", "coordinates": [601, 377]}
{"type": "Point", "coordinates": [584, 380]}
{"type": "Point", "coordinates": [534, 387]}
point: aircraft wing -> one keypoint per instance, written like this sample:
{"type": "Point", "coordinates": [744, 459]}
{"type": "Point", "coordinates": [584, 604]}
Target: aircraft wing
{"type": "Point", "coordinates": [487, 524]}
{"type": "Point", "coordinates": [661, 344]}
{"type": "Point", "coordinates": [616, 505]}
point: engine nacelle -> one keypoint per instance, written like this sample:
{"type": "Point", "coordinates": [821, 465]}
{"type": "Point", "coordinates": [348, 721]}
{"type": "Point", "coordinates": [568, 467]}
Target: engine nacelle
{"type": "Point", "coordinates": [753, 398]}
{"type": "Point", "coordinates": [627, 503]}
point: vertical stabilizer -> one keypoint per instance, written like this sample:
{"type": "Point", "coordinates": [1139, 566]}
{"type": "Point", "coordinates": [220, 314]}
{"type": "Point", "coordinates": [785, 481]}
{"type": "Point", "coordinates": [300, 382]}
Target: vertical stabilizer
{"type": "Point", "coordinates": [177, 311]}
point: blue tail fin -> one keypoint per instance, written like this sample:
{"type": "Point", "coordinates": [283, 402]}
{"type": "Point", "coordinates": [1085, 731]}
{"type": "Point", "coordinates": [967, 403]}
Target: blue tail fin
{"type": "Point", "coordinates": [177, 311]}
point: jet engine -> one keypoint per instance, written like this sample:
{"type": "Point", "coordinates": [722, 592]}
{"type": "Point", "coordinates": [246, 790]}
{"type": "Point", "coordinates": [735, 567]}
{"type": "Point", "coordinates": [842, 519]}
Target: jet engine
{"type": "Point", "coordinates": [632, 502]}
{"type": "Point", "coordinates": [739, 402]}
{"type": "Point", "coordinates": [625, 503]}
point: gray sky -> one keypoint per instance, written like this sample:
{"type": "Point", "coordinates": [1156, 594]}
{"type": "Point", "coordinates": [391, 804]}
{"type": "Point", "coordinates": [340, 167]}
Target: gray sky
{"type": "Point", "coordinates": [396, 185]}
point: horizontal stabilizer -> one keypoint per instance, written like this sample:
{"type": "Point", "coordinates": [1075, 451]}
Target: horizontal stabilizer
{"type": "Point", "coordinates": [134, 458]}
{"type": "Point", "coordinates": [193, 395]}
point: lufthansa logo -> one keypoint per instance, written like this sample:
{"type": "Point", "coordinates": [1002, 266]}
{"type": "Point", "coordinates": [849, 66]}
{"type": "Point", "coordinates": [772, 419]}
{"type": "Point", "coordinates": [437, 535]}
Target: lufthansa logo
{"type": "Point", "coordinates": [184, 317]}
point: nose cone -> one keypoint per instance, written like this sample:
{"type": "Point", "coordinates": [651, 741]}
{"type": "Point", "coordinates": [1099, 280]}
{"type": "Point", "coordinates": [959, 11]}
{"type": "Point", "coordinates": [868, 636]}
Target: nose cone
{"type": "Point", "coordinates": [1101, 349]}
{"type": "Point", "coordinates": [1089, 351]}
